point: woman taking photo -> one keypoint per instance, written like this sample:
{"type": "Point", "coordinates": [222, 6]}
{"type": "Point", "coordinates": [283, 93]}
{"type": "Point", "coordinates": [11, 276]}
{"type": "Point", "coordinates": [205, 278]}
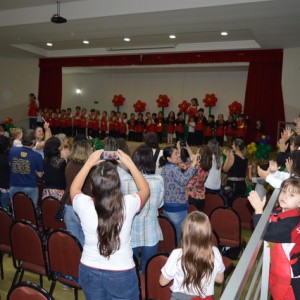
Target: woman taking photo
{"type": "Point", "coordinates": [107, 269]}
{"type": "Point", "coordinates": [175, 181]}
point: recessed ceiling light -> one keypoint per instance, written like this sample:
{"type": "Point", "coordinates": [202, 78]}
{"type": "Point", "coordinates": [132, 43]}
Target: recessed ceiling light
{"type": "Point", "coordinates": [127, 39]}
{"type": "Point", "coordinates": [49, 44]}
{"type": "Point", "coordinates": [172, 36]}
{"type": "Point", "coordinates": [86, 42]}
{"type": "Point", "coordinates": [224, 33]}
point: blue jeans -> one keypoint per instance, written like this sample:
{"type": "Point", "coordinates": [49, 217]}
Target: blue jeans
{"type": "Point", "coordinates": [32, 192]}
{"type": "Point", "coordinates": [4, 199]}
{"type": "Point", "coordinates": [108, 285]}
{"type": "Point", "coordinates": [177, 218]}
{"type": "Point", "coordinates": [146, 252]}
{"type": "Point", "coordinates": [73, 223]}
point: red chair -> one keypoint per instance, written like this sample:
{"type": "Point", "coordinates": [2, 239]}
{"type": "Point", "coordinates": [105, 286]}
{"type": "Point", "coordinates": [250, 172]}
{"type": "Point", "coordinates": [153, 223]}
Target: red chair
{"type": "Point", "coordinates": [24, 208]}
{"type": "Point", "coordinates": [27, 251]}
{"type": "Point", "coordinates": [41, 186]}
{"type": "Point", "coordinates": [192, 208]}
{"type": "Point", "coordinates": [6, 221]}
{"type": "Point", "coordinates": [227, 224]}
{"type": "Point", "coordinates": [64, 253]}
{"type": "Point", "coordinates": [211, 202]}
{"type": "Point", "coordinates": [153, 289]}
{"type": "Point", "coordinates": [28, 291]}
{"type": "Point", "coordinates": [49, 209]}
{"type": "Point", "coordinates": [244, 209]}
{"type": "Point", "coordinates": [169, 242]}
{"type": "Point", "coordinates": [228, 263]}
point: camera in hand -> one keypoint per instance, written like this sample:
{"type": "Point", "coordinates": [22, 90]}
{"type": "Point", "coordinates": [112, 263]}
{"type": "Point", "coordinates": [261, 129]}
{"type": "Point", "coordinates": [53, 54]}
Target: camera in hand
{"type": "Point", "coordinates": [110, 155]}
{"type": "Point", "coordinates": [182, 143]}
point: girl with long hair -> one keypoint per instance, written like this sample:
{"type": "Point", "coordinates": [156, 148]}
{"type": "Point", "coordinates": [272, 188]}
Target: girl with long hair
{"type": "Point", "coordinates": [196, 265]}
{"type": "Point", "coordinates": [107, 269]}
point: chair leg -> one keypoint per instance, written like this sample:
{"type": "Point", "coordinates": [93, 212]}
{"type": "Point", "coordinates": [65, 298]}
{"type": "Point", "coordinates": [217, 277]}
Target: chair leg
{"type": "Point", "coordinates": [41, 280]}
{"type": "Point", "coordinates": [52, 287]}
{"type": "Point", "coordinates": [15, 277]}
{"type": "Point", "coordinates": [21, 275]}
{"type": "Point", "coordinates": [76, 293]}
{"type": "Point", "coordinates": [1, 265]}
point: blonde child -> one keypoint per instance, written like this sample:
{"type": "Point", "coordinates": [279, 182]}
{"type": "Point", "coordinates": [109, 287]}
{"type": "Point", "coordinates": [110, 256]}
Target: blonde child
{"type": "Point", "coordinates": [16, 134]}
{"type": "Point", "coordinates": [197, 264]}
{"type": "Point", "coordinates": [283, 235]}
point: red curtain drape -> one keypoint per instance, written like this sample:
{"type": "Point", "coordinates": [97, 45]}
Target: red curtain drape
{"type": "Point", "coordinates": [50, 87]}
{"type": "Point", "coordinates": [263, 98]}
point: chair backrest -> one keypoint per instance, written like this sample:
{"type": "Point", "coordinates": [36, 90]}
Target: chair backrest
{"type": "Point", "coordinates": [153, 289]}
{"type": "Point", "coordinates": [49, 209]}
{"type": "Point", "coordinates": [192, 208]}
{"type": "Point", "coordinates": [6, 221]}
{"type": "Point", "coordinates": [24, 209]}
{"type": "Point", "coordinates": [244, 209]}
{"type": "Point", "coordinates": [227, 224]}
{"type": "Point", "coordinates": [211, 202]}
{"type": "Point", "coordinates": [41, 185]}
{"type": "Point", "coordinates": [169, 242]}
{"type": "Point", "coordinates": [64, 252]}
{"type": "Point", "coordinates": [27, 246]}
{"type": "Point", "coordinates": [28, 291]}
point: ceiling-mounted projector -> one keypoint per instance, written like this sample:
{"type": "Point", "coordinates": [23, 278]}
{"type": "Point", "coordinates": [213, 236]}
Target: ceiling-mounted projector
{"type": "Point", "coordinates": [57, 18]}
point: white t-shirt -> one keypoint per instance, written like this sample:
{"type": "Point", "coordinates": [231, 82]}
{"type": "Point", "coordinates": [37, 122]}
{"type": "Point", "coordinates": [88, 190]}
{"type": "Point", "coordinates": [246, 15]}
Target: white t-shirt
{"type": "Point", "coordinates": [172, 270]}
{"type": "Point", "coordinates": [122, 259]}
{"type": "Point", "coordinates": [213, 180]}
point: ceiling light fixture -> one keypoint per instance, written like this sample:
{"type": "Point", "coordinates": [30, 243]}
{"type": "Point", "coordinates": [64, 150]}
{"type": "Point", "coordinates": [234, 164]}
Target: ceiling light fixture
{"type": "Point", "coordinates": [127, 39]}
{"type": "Point", "coordinates": [224, 33]}
{"type": "Point", "coordinates": [86, 42]}
{"type": "Point", "coordinates": [172, 36]}
{"type": "Point", "coordinates": [49, 44]}
{"type": "Point", "coordinates": [57, 18]}
{"type": "Point", "coordinates": [78, 91]}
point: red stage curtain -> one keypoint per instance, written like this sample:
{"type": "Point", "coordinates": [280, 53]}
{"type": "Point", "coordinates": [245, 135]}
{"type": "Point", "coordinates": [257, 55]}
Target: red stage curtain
{"type": "Point", "coordinates": [50, 87]}
{"type": "Point", "coordinates": [263, 99]}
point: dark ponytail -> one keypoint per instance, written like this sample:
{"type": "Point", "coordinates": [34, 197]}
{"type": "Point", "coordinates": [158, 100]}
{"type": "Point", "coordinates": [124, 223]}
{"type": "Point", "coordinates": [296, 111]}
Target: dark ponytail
{"type": "Point", "coordinates": [167, 152]}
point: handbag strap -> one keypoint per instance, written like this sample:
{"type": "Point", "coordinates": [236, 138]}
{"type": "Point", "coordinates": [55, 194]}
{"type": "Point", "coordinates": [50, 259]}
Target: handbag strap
{"type": "Point", "coordinates": [65, 196]}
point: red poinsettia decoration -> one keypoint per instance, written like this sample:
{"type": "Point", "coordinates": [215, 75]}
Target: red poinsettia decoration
{"type": "Point", "coordinates": [8, 121]}
{"type": "Point", "coordinates": [183, 106]}
{"type": "Point", "coordinates": [235, 108]}
{"type": "Point", "coordinates": [210, 100]}
{"type": "Point", "coordinates": [118, 100]}
{"type": "Point", "coordinates": [139, 106]}
{"type": "Point", "coordinates": [163, 101]}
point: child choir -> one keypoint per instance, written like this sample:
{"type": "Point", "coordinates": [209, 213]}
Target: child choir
{"type": "Point", "coordinates": [98, 125]}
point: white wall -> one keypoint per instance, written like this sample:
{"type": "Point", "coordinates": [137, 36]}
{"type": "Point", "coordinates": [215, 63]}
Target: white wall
{"type": "Point", "coordinates": [178, 86]}
{"type": "Point", "coordinates": [291, 83]}
{"type": "Point", "coordinates": [18, 78]}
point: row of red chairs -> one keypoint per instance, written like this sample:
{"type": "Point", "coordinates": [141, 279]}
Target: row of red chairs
{"type": "Point", "coordinates": [57, 258]}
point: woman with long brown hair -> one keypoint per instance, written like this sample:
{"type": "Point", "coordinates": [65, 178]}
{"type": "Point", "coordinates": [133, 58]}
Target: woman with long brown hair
{"type": "Point", "coordinates": [107, 269]}
{"type": "Point", "coordinates": [197, 264]}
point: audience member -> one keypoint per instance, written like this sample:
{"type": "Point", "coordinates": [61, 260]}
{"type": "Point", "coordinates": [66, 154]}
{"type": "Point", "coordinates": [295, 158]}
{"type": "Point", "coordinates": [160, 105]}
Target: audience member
{"type": "Point", "coordinates": [197, 264]}
{"type": "Point", "coordinates": [26, 166]}
{"type": "Point", "coordinates": [151, 140]}
{"type": "Point", "coordinates": [145, 231]}
{"type": "Point", "coordinates": [16, 135]}
{"type": "Point", "coordinates": [4, 171]}
{"type": "Point", "coordinates": [107, 258]}
{"type": "Point", "coordinates": [175, 202]}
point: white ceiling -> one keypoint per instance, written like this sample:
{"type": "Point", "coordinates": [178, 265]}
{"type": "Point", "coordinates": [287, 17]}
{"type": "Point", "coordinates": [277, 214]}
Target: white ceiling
{"type": "Point", "coordinates": [25, 26]}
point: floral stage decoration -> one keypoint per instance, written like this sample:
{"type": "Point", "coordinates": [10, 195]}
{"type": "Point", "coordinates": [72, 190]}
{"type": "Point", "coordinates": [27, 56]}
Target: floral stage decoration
{"type": "Point", "coordinates": [235, 108]}
{"type": "Point", "coordinates": [163, 101]}
{"type": "Point", "coordinates": [117, 101]}
{"type": "Point", "coordinates": [210, 101]}
{"type": "Point", "coordinates": [139, 106]}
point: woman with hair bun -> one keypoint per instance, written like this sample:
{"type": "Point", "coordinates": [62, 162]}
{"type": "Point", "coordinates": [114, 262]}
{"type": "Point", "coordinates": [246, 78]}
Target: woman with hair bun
{"type": "Point", "coordinates": [175, 182]}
